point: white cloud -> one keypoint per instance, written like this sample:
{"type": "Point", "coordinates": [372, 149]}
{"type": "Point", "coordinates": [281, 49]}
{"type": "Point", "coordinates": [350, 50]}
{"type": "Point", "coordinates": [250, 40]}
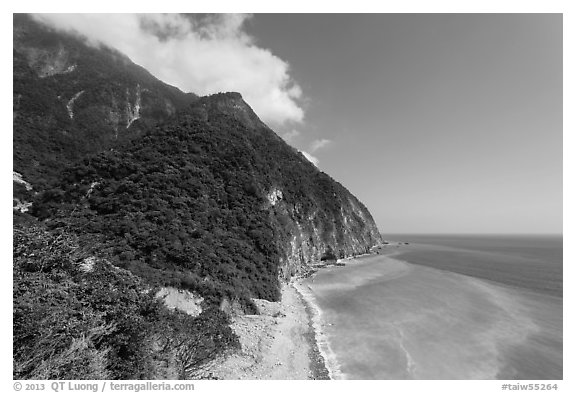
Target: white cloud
{"type": "Point", "coordinates": [290, 136]}
{"type": "Point", "coordinates": [310, 158]}
{"type": "Point", "coordinates": [319, 144]}
{"type": "Point", "coordinates": [203, 55]}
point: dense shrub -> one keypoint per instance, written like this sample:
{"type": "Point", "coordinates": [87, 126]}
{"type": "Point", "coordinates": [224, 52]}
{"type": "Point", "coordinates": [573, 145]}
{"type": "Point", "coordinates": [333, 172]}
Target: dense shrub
{"type": "Point", "coordinates": [78, 317]}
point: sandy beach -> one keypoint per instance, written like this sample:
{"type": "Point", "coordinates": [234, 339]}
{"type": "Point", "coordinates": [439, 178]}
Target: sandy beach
{"type": "Point", "coordinates": [286, 341]}
{"type": "Point", "coordinates": [277, 344]}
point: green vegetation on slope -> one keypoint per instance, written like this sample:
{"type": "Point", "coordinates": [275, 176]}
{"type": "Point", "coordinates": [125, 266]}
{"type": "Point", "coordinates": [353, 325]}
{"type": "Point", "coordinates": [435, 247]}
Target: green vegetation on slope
{"type": "Point", "coordinates": [77, 316]}
{"type": "Point", "coordinates": [186, 205]}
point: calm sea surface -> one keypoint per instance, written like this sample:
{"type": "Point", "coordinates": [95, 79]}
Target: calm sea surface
{"type": "Point", "coordinates": [445, 307]}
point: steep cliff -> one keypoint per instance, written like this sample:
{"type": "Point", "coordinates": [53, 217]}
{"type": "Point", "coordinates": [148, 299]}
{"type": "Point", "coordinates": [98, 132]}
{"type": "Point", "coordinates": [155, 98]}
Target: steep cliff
{"type": "Point", "coordinates": [318, 237]}
{"type": "Point", "coordinates": [328, 222]}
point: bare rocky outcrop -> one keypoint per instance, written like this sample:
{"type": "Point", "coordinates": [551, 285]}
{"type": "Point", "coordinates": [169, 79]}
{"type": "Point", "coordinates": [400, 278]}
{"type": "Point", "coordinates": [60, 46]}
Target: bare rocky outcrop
{"type": "Point", "coordinates": [181, 299]}
{"type": "Point", "coordinates": [133, 110]}
{"type": "Point", "coordinates": [311, 243]}
{"type": "Point", "coordinates": [21, 206]}
{"type": "Point", "coordinates": [17, 177]}
{"type": "Point", "coordinates": [70, 105]}
{"type": "Point", "coordinates": [48, 63]}
{"type": "Point", "coordinates": [313, 238]}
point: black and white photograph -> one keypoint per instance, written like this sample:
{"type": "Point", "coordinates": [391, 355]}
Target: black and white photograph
{"type": "Point", "coordinates": [287, 196]}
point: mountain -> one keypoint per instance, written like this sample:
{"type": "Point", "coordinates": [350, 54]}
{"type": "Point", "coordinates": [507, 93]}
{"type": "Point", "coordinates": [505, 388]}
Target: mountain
{"type": "Point", "coordinates": [73, 98]}
{"type": "Point", "coordinates": [160, 188]}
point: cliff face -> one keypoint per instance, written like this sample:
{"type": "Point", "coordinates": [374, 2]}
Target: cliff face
{"type": "Point", "coordinates": [312, 240]}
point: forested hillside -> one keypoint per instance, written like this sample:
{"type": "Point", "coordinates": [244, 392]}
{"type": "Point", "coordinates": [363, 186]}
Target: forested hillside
{"type": "Point", "coordinates": [131, 185]}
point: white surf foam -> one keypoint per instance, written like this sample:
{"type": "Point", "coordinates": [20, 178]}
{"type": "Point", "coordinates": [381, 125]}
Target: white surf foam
{"type": "Point", "coordinates": [330, 360]}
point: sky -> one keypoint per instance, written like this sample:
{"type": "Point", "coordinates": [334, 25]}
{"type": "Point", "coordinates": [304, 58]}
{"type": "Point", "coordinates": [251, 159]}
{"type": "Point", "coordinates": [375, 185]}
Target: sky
{"type": "Point", "coordinates": [437, 123]}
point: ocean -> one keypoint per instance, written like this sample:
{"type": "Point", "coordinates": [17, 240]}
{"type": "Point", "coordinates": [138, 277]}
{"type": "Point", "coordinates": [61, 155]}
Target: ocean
{"type": "Point", "coordinates": [444, 307]}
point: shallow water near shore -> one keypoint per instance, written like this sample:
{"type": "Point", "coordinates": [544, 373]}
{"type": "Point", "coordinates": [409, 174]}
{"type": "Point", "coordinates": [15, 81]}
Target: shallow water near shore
{"type": "Point", "coordinates": [384, 318]}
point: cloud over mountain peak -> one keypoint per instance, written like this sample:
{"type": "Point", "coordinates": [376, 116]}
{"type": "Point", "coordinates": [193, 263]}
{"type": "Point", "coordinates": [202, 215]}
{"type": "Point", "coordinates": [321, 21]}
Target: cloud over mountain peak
{"type": "Point", "coordinates": [204, 54]}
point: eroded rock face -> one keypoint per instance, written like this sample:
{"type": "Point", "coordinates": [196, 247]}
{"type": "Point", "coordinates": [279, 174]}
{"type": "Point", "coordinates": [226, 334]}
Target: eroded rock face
{"type": "Point", "coordinates": [311, 244]}
{"type": "Point", "coordinates": [314, 238]}
{"type": "Point", "coordinates": [274, 196]}
{"type": "Point", "coordinates": [70, 105]}
{"type": "Point", "coordinates": [181, 299]}
{"type": "Point", "coordinates": [17, 177]}
{"type": "Point", "coordinates": [48, 63]}
{"type": "Point", "coordinates": [133, 109]}
{"type": "Point", "coordinates": [21, 206]}
{"type": "Point", "coordinates": [22, 190]}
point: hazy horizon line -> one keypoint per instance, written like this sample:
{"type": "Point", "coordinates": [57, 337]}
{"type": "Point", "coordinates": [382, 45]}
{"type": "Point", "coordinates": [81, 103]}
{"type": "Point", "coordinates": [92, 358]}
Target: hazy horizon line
{"type": "Point", "coordinates": [555, 234]}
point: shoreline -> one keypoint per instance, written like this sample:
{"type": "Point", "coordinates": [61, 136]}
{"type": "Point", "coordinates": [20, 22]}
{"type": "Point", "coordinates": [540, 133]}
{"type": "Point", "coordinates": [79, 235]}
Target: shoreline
{"type": "Point", "coordinates": [325, 356]}
{"type": "Point", "coordinates": [285, 341]}
{"type": "Point", "coordinates": [322, 356]}
{"type": "Point", "coordinates": [487, 311]}
{"type": "Point", "coordinates": [277, 344]}
{"type": "Point", "coordinates": [318, 366]}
